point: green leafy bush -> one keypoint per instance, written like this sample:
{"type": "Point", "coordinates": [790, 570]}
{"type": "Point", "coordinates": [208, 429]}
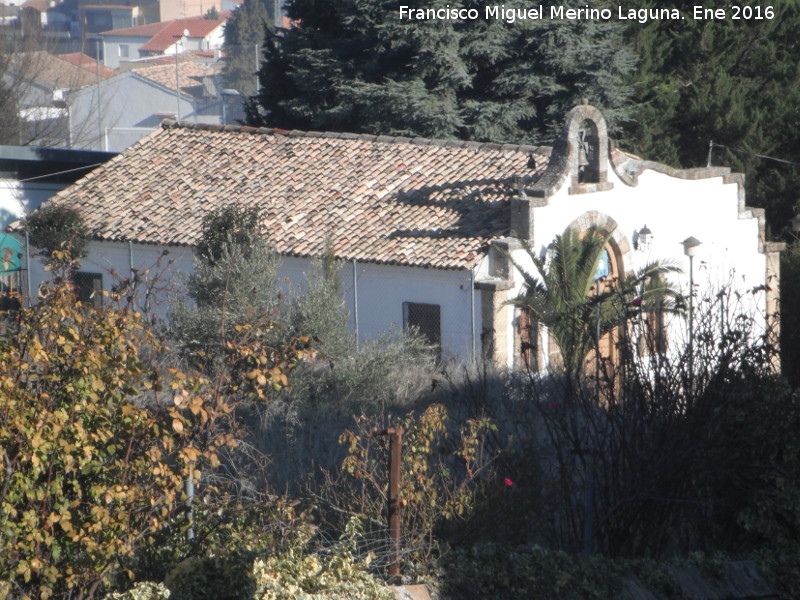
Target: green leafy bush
{"type": "Point", "coordinates": [226, 577]}
{"type": "Point", "coordinates": [333, 575]}
{"type": "Point", "coordinates": [145, 590]}
{"type": "Point", "coordinates": [58, 227]}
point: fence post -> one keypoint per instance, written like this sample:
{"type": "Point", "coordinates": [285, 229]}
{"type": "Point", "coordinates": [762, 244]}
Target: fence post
{"type": "Point", "coordinates": [393, 509]}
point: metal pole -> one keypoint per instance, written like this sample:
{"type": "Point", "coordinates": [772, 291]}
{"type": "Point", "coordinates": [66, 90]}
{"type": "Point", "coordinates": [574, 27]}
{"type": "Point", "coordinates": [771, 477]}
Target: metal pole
{"type": "Point", "coordinates": [472, 310]}
{"type": "Point", "coordinates": [355, 301]}
{"type": "Point", "coordinates": [177, 87]}
{"type": "Point", "coordinates": [131, 284]}
{"type": "Point", "coordinates": [99, 102]}
{"type": "Point", "coordinates": [691, 323]}
{"type": "Point", "coordinates": [255, 48]}
{"type": "Point", "coordinates": [28, 265]}
{"type": "Point", "coordinates": [189, 499]}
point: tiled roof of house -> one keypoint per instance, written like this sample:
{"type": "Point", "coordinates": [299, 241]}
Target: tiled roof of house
{"type": "Point", "coordinates": [164, 34]}
{"type": "Point", "coordinates": [190, 73]}
{"type": "Point", "coordinates": [388, 200]}
{"type": "Point", "coordinates": [40, 5]}
{"type": "Point", "coordinates": [172, 31]}
{"type": "Point", "coordinates": [51, 70]}
{"type": "Point", "coordinates": [87, 62]}
{"type": "Point", "coordinates": [148, 30]}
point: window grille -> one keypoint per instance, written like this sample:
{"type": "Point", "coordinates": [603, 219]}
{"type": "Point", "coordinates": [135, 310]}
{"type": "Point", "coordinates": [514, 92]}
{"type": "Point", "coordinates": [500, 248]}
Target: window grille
{"type": "Point", "coordinates": [425, 318]}
{"type": "Point", "coordinates": [89, 288]}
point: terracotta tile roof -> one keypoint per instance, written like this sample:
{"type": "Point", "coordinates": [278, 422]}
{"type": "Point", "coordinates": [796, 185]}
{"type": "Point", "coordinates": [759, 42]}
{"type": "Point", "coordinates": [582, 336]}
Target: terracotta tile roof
{"type": "Point", "coordinates": [190, 73]}
{"type": "Point", "coordinates": [412, 202]}
{"type": "Point", "coordinates": [108, 7]}
{"type": "Point", "coordinates": [51, 69]}
{"type": "Point", "coordinates": [40, 5]}
{"type": "Point", "coordinates": [169, 32]}
{"type": "Point", "coordinates": [148, 30]}
{"type": "Point", "coordinates": [87, 62]}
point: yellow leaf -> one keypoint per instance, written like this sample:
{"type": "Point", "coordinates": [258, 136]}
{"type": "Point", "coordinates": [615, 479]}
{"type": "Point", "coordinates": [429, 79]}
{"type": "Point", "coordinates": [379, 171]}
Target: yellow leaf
{"type": "Point", "coordinates": [196, 405]}
{"type": "Point", "coordinates": [191, 454]}
{"type": "Point", "coordinates": [177, 426]}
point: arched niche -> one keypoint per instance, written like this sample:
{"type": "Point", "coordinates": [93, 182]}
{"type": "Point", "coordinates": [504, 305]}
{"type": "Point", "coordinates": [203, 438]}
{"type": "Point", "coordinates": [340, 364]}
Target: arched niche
{"type": "Point", "coordinates": [587, 142]}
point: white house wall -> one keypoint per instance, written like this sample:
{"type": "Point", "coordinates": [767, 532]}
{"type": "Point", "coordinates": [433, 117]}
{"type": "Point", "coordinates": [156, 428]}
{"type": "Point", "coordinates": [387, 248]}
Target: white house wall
{"type": "Point", "coordinates": [131, 107]}
{"type": "Point", "coordinates": [381, 289]}
{"type": "Point", "coordinates": [111, 48]}
{"type": "Point", "coordinates": [158, 271]}
{"type": "Point", "coordinates": [18, 199]}
{"type": "Point", "coordinates": [673, 209]}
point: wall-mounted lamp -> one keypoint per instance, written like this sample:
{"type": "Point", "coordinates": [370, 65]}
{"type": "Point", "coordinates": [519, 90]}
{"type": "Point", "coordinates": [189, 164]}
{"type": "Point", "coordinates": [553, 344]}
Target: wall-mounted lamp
{"type": "Point", "coordinates": [644, 237]}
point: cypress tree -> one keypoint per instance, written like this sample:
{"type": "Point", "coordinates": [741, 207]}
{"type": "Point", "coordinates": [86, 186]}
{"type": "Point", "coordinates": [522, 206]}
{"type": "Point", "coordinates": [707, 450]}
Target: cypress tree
{"type": "Point", "coordinates": [244, 38]}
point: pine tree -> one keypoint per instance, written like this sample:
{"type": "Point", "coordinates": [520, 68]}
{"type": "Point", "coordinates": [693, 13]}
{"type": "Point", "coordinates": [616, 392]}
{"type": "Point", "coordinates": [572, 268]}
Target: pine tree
{"type": "Point", "coordinates": [734, 83]}
{"type": "Point", "coordinates": [353, 65]}
{"type": "Point", "coordinates": [731, 82]}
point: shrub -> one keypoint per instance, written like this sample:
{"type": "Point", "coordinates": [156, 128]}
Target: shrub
{"type": "Point", "coordinates": [442, 465]}
{"type": "Point", "coordinates": [95, 451]}
{"type": "Point", "coordinates": [58, 227]}
{"type": "Point", "coordinates": [332, 575]}
{"type": "Point", "coordinates": [226, 577]}
{"type": "Point", "coordinates": [663, 454]}
{"type": "Point", "coordinates": [227, 227]}
{"type": "Point", "coordinates": [145, 590]}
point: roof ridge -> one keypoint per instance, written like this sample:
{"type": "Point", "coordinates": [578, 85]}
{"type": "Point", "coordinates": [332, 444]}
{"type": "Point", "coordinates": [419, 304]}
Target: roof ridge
{"type": "Point", "coordinates": [389, 139]}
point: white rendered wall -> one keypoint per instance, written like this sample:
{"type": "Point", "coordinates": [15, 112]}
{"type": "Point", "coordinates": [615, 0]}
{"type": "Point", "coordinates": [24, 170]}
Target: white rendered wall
{"type": "Point", "coordinates": [381, 289]}
{"type": "Point", "coordinates": [20, 198]}
{"type": "Point", "coordinates": [673, 209]}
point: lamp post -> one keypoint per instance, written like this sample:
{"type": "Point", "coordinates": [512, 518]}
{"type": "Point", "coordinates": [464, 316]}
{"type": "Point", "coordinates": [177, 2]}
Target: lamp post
{"type": "Point", "coordinates": [691, 247]}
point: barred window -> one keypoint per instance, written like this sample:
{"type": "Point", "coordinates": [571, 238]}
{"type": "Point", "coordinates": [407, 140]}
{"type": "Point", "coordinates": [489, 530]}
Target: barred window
{"type": "Point", "coordinates": [89, 288]}
{"type": "Point", "coordinates": [426, 319]}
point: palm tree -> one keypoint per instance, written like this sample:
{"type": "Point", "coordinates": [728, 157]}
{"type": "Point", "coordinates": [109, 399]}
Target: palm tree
{"type": "Point", "coordinates": [563, 294]}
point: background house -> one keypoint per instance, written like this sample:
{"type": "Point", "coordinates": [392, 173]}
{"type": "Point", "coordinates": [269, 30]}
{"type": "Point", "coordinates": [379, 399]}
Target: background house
{"type": "Point", "coordinates": [133, 103]}
{"type": "Point", "coordinates": [41, 83]}
{"type": "Point", "coordinates": [423, 228]}
{"type": "Point", "coordinates": [155, 39]}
